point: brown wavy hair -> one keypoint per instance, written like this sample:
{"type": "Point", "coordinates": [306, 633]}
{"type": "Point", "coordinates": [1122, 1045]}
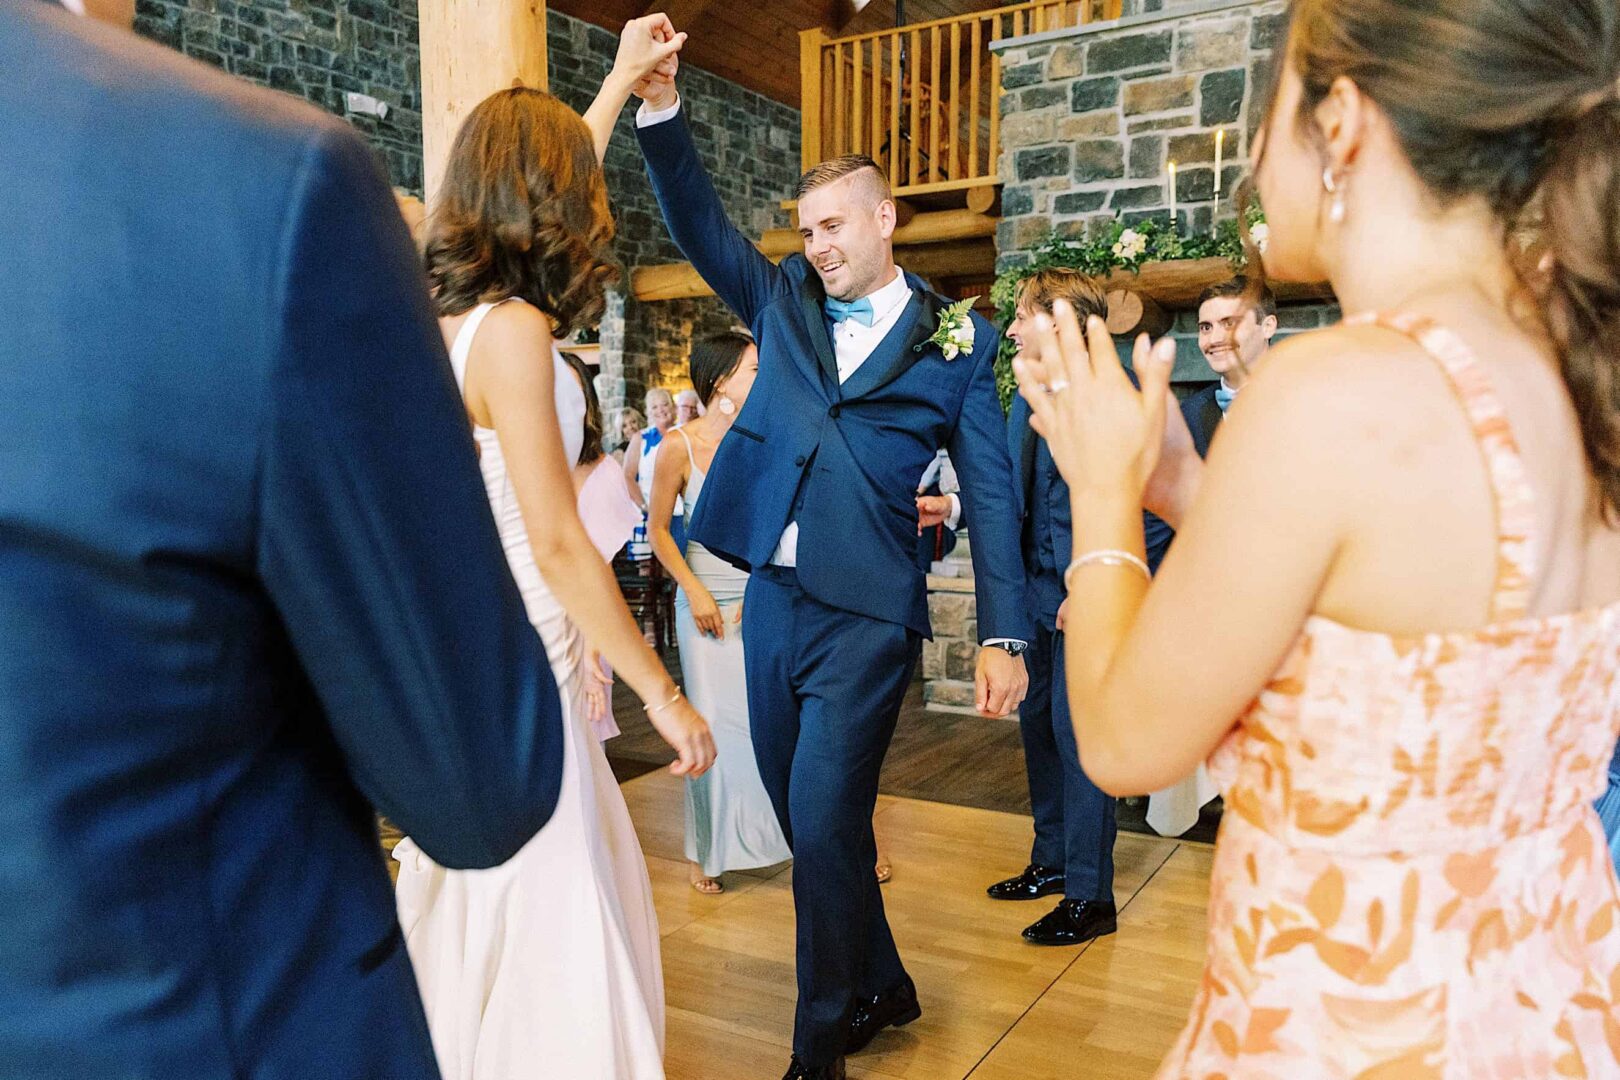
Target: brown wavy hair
{"type": "Point", "coordinates": [523, 211]}
{"type": "Point", "coordinates": [1516, 102]}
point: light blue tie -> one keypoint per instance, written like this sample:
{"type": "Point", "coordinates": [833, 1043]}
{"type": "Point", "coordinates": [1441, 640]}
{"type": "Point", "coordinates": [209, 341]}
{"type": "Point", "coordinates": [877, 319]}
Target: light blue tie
{"type": "Point", "coordinates": [1223, 397]}
{"type": "Point", "coordinates": [859, 310]}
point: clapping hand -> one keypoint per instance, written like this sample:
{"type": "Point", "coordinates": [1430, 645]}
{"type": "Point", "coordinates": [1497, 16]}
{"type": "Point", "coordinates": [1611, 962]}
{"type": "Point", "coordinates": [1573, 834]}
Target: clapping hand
{"type": "Point", "coordinates": [1104, 435]}
{"type": "Point", "coordinates": [648, 58]}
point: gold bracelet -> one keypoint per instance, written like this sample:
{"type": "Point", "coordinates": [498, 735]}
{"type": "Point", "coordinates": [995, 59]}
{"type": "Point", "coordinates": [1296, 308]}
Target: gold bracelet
{"type": "Point", "coordinates": [650, 709]}
{"type": "Point", "coordinates": [1107, 557]}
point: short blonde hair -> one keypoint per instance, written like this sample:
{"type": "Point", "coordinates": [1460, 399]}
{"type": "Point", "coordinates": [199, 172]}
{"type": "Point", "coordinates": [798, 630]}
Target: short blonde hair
{"type": "Point", "coordinates": [659, 394]}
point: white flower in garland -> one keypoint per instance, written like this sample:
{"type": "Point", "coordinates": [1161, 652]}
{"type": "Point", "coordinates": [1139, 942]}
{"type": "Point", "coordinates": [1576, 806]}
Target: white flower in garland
{"type": "Point", "coordinates": [1130, 246]}
{"type": "Point", "coordinates": [954, 335]}
{"type": "Point", "coordinates": [1261, 235]}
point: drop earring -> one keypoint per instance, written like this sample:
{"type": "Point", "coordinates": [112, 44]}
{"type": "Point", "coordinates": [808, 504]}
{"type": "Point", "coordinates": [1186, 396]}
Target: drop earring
{"type": "Point", "coordinates": [1336, 210]}
{"type": "Point", "coordinates": [726, 406]}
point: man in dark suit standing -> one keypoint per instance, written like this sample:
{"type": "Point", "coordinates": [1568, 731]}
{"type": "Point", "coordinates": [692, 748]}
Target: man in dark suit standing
{"type": "Point", "coordinates": [814, 491]}
{"type": "Point", "coordinates": [1234, 332]}
{"type": "Point", "coordinates": [248, 578]}
{"type": "Point", "coordinates": [1073, 853]}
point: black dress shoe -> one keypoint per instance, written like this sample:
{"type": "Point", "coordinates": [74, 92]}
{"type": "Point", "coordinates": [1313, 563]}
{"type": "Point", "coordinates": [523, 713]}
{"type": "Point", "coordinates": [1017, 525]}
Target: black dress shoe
{"type": "Point", "coordinates": [1074, 922]}
{"type": "Point", "coordinates": [1035, 882]}
{"type": "Point", "coordinates": [895, 1007]}
{"type": "Point", "coordinates": [798, 1070]}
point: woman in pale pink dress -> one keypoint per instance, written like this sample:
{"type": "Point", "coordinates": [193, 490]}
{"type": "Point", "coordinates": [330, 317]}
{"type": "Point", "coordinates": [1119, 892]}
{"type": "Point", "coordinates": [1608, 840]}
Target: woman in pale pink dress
{"type": "Point", "coordinates": [1390, 617]}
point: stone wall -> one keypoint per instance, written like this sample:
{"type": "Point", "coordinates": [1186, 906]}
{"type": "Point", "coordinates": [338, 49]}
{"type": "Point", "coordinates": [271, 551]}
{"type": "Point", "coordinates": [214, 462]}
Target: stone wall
{"type": "Point", "coordinates": [750, 145]}
{"type": "Point", "coordinates": [322, 49]}
{"type": "Point", "coordinates": [1092, 116]}
{"type": "Point", "coordinates": [317, 49]}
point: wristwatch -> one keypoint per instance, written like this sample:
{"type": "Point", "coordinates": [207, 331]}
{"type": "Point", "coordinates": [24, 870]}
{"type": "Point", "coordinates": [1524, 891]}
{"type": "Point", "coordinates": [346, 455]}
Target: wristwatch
{"type": "Point", "coordinates": [1013, 648]}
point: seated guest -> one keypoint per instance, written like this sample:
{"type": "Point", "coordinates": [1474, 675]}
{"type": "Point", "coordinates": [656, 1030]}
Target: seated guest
{"type": "Point", "coordinates": [641, 458]}
{"type": "Point", "coordinates": [1234, 331]}
{"type": "Point", "coordinates": [642, 454]}
{"type": "Point", "coordinates": [627, 424]}
{"type": "Point", "coordinates": [237, 624]}
{"type": "Point", "coordinates": [1073, 853]}
{"type": "Point", "coordinates": [688, 407]}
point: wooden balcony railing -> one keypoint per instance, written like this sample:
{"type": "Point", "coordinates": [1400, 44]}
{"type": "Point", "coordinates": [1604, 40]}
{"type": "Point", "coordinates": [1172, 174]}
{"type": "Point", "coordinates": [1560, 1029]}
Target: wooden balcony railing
{"type": "Point", "coordinates": [923, 100]}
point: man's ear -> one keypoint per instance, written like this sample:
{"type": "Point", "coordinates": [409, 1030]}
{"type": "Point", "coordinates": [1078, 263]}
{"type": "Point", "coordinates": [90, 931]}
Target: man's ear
{"type": "Point", "coordinates": [1268, 327]}
{"type": "Point", "coordinates": [888, 217]}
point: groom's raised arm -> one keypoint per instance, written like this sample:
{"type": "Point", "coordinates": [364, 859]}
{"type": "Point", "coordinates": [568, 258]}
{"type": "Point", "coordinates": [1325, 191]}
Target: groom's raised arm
{"type": "Point", "coordinates": [978, 449]}
{"type": "Point", "coordinates": [733, 267]}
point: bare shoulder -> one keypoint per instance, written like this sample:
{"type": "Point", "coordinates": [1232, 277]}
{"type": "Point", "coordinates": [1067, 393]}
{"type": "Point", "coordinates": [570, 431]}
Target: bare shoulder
{"type": "Point", "coordinates": [1331, 384]}
{"type": "Point", "coordinates": [514, 344]}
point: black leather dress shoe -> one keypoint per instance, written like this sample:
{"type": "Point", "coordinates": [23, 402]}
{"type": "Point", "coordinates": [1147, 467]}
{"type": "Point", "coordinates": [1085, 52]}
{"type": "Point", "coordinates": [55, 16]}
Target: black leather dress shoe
{"type": "Point", "coordinates": [895, 1007]}
{"type": "Point", "coordinates": [800, 1071]}
{"type": "Point", "coordinates": [1074, 922]}
{"type": "Point", "coordinates": [1035, 882]}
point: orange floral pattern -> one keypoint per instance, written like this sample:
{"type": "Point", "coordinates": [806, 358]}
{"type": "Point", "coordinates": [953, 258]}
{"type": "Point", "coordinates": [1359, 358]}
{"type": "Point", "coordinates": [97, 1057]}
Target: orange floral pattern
{"type": "Point", "coordinates": [1410, 881]}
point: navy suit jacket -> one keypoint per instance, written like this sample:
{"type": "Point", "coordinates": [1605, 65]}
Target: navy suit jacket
{"type": "Point", "coordinates": [858, 449]}
{"type": "Point", "coordinates": [250, 587]}
{"type": "Point", "coordinates": [1203, 415]}
{"type": "Point", "coordinates": [1039, 478]}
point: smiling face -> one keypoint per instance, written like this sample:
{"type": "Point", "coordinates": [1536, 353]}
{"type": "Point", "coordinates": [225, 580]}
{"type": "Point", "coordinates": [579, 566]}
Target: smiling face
{"type": "Point", "coordinates": [660, 410]}
{"type": "Point", "coordinates": [848, 227]}
{"type": "Point", "coordinates": [1232, 334]}
{"type": "Point", "coordinates": [1022, 331]}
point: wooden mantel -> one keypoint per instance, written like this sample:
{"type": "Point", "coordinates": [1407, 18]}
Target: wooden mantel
{"type": "Point", "coordinates": [1177, 284]}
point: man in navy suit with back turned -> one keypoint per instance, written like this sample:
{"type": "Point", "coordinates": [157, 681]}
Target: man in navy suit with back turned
{"type": "Point", "coordinates": [249, 583]}
{"type": "Point", "coordinates": [814, 491]}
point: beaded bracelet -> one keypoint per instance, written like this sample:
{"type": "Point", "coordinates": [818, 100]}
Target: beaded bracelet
{"type": "Point", "coordinates": [1107, 557]}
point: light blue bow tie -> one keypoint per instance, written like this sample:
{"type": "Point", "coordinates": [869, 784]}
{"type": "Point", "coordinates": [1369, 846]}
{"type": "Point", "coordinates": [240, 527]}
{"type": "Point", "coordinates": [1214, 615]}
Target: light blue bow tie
{"type": "Point", "coordinates": [1223, 397]}
{"type": "Point", "coordinates": [859, 310]}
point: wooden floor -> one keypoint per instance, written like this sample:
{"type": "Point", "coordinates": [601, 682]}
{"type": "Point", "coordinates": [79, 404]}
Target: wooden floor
{"type": "Point", "coordinates": [994, 1007]}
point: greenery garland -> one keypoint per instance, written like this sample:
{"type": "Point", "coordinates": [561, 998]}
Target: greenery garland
{"type": "Point", "coordinates": [1117, 247]}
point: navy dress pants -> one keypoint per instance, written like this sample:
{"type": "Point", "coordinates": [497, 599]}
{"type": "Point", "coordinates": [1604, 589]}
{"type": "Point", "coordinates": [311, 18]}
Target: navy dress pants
{"type": "Point", "coordinates": [824, 692]}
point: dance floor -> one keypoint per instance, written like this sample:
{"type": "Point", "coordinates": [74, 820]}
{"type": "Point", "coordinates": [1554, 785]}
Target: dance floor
{"type": "Point", "coordinates": [994, 1007]}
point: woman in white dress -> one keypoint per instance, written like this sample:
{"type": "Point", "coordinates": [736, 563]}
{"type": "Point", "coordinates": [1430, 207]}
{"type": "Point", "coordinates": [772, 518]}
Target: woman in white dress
{"type": "Point", "coordinates": [730, 823]}
{"type": "Point", "coordinates": [547, 966]}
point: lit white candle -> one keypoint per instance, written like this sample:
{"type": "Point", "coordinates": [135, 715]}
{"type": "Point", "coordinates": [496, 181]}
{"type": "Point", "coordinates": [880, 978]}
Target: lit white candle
{"type": "Point", "coordinates": [1172, 196]}
{"type": "Point", "coordinates": [1220, 148]}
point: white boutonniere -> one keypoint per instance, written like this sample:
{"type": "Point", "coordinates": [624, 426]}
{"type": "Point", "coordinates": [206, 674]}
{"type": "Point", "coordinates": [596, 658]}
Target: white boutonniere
{"type": "Point", "coordinates": [954, 334]}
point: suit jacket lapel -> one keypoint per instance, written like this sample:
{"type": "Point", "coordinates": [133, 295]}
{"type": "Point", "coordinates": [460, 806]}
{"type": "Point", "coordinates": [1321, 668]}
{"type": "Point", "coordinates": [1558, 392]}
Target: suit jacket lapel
{"type": "Point", "coordinates": [903, 347]}
{"type": "Point", "coordinates": [812, 301]}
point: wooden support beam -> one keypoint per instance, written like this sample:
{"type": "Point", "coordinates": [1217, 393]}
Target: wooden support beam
{"type": "Point", "coordinates": [935, 227]}
{"type": "Point", "coordinates": [470, 49]}
{"type": "Point", "coordinates": [957, 259]}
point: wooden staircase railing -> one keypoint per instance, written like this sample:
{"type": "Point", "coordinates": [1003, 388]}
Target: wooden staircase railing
{"type": "Point", "coordinates": [922, 100]}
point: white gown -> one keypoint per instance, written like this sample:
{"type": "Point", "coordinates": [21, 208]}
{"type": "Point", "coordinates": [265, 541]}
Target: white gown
{"type": "Point", "coordinates": [547, 966]}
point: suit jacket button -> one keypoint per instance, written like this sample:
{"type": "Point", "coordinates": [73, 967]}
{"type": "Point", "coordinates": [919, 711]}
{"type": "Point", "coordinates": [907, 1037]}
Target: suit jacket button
{"type": "Point", "coordinates": [799, 461]}
{"type": "Point", "coordinates": [834, 411]}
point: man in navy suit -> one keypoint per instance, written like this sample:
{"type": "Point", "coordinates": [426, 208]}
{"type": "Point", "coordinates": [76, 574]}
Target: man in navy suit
{"type": "Point", "coordinates": [1073, 852]}
{"type": "Point", "coordinates": [1234, 332]}
{"type": "Point", "coordinates": [249, 582]}
{"type": "Point", "coordinates": [815, 489]}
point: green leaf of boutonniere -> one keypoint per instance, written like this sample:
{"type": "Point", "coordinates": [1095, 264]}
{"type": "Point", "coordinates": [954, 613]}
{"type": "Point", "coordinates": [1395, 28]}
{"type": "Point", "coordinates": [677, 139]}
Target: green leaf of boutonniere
{"type": "Point", "coordinates": [954, 334]}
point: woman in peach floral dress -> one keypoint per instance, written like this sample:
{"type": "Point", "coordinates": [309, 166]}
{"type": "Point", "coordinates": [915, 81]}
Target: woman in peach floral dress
{"type": "Point", "coordinates": [1390, 618]}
